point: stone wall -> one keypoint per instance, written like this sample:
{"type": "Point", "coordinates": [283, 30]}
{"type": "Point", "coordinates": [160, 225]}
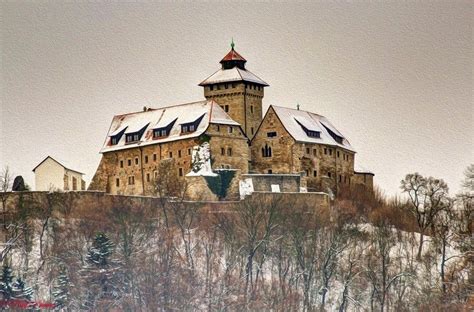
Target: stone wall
{"type": "Point", "coordinates": [263, 182]}
{"type": "Point", "coordinates": [365, 179]}
{"type": "Point", "coordinates": [83, 203]}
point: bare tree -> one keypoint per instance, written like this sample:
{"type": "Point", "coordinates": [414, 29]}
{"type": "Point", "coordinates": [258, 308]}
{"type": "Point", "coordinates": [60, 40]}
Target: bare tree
{"type": "Point", "coordinates": [5, 185]}
{"type": "Point", "coordinates": [427, 197]}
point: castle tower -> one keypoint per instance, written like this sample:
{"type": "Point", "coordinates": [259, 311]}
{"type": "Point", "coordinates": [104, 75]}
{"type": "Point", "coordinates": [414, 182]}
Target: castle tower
{"type": "Point", "coordinates": [238, 91]}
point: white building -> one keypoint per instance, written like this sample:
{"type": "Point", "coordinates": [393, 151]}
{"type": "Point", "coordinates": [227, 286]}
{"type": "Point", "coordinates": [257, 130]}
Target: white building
{"type": "Point", "coordinates": [52, 175]}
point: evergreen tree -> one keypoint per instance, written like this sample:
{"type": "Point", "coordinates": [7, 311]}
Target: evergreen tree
{"type": "Point", "coordinates": [61, 292]}
{"type": "Point", "coordinates": [100, 250]}
{"type": "Point", "coordinates": [21, 291]}
{"type": "Point", "coordinates": [6, 280]}
{"type": "Point", "coordinates": [101, 275]}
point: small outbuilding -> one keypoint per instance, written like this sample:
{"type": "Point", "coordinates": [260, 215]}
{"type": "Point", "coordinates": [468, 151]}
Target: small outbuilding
{"type": "Point", "coordinates": [50, 174]}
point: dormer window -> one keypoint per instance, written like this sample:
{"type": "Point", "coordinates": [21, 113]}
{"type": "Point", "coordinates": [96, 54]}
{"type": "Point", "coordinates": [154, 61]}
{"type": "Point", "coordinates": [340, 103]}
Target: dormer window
{"type": "Point", "coordinates": [115, 137]}
{"type": "Point", "coordinates": [135, 136]}
{"type": "Point", "coordinates": [162, 132]}
{"type": "Point", "coordinates": [339, 139]}
{"type": "Point", "coordinates": [191, 126]}
{"type": "Point", "coordinates": [312, 133]}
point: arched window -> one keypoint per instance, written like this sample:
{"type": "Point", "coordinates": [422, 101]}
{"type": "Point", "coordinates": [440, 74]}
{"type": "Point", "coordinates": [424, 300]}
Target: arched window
{"type": "Point", "coordinates": [266, 151]}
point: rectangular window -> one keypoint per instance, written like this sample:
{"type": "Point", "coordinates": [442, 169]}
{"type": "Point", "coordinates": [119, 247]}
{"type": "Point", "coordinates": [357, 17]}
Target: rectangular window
{"type": "Point", "coordinates": [154, 157]}
{"type": "Point", "coordinates": [231, 129]}
{"type": "Point", "coordinates": [115, 140]}
{"type": "Point", "coordinates": [251, 109]}
{"type": "Point", "coordinates": [131, 180]}
{"type": "Point", "coordinates": [136, 160]}
{"type": "Point", "coordinates": [340, 178]}
{"type": "Point", "coordinates": [271, 134]}
{"type": "Point", "coordinates": [179, 153]}
{"type": "Point", "coordinates": [234, 85]}
{"type": "Point", "coordinates": [307, 172]}
{"type": "Point", "coordinates": [229, 151]}
{"type": "Point", "coordinates": [251, 130]}
{"type": "Point", "coordinates": [329, 174]}
{"type": "Point", "coordinates": [146, 159]}
{"type": "Point", "coordinates": [315, 173]}
{"type": "Point", "coordinates": [148, 177]}
{"type": "Point", "coordinates": [155, 174]}
{"type": "Point", "coordinates": [226, 108]}
{"type": "Point", "coordinates": [117, 182]}
{"type": "Point", "coordinates": [180, 172]}
{"type": "Point", "coordinates": [307, 150]}
{"type": "Point", "coordinates": [330, 151]}
{"type": "Point", "coordinates": [218, 128]}
{"type": "Point", "coordinates": [325, 151]}
{"type": "Point", "coordinates": [222, 151]}
{"type": "Point", "coordinates": [337, 154]}
{"type": "Point", "coordinates": [171, 154]}
{"type": "Point", "coordinates": [121, 164]}
{"type": "Point", "coordinates": [315, 153]}
{"type": "Point", "coordinates": [226, 86]}
{"type": "Point", "coordinates": [211, 87]}
{"type": "Point", "coordinates": [129, 161]}
{"type": "Point", "coordinates": [189, 151]}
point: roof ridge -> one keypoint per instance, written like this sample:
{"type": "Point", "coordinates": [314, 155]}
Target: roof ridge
{"type": "Point", "coordinates": [160, 108]}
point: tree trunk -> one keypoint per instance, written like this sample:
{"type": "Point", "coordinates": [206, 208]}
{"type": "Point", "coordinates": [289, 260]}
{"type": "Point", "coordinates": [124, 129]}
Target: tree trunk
{"type": "Point", "coordinates": [420, 246]}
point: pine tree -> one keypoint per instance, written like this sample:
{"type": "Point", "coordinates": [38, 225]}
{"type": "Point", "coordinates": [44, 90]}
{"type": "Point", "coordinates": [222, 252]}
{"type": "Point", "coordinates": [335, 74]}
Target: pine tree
{"type": "Point", "coordinates": [100, 273]}
{"type": "Point", "coordinates": [61, 290]}
{"type": "Point", "coordinates": [100, 251]}
{"type": "Point", "coordinates": [6, 280]}
{"type": "Point", "coordinates": [21, 291]}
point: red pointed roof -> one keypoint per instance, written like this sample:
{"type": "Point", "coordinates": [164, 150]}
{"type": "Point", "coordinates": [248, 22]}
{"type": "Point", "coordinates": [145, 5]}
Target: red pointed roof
{"type": "Point", "coordinates": [233, 56]}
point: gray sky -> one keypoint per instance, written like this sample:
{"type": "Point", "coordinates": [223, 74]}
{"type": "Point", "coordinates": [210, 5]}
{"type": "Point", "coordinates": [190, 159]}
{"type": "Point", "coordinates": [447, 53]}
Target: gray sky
{"type": "Point", "coordinates": [395, 78]}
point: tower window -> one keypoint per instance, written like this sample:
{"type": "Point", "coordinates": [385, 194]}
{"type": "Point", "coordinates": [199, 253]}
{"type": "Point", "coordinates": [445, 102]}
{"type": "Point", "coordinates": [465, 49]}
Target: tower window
{"type": "Point", "coordinates": [338, 154]}
{"type": "Point", "coordinates": [129, 162]}
{"type": "Point", "coordinates": [154, 157]}
{"type": "Point", "coordinates": [180, 172]}
{"type": "Point", "coordinates": [330, 151]}
{"type": "Point", "coordinates": [179, 153]}
{"type": "Point", "coordinates": [121, 164]}
{"type": "Point", "coordinates": [148, 177]}
{"type": "Point", "coordinates": [226, 86]}
{"type": "Point", "coordinates": [231, 129]}
{"type": "Point", "coordinates": [251, 109]}
{"type": "Point", "coordinates": [222, 151]}
{"type": "Point", "coordinates": [307, 150]}
{"type": "Point", "coordinates": [325, 151]}
{"type": "Point", "coordinates": [218, 128]}
{"type": "Point", "coordinates": [251, 130]}
{"type": "Point", "coordinates": [329, 174]}
{"type": "Point", "coordinates": [315, 153]}
{"type": "Point", "coordinates": [117, 182]}
{"type": "Point", "coordinates": [211, 87]}
{"type": "Point", "coordinates": [189, 151]}
{"type": "Point", "coordinates": [226, 108]}
{"type": "Point", "coordinates": [146, 159]}
{"type": "Point", "coordinates": [131, 180]}
{"type": "Point", "coordinates": [170, 154]}
{"type": "Point", "coordinates": [315, 173]}
{"type": "Point", "coordinates": [229, 151]}
{"type": "Point", "coordinates": [136, 160]}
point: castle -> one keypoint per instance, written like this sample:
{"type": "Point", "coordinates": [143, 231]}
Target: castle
{"type": "Point", "coordinates": [282, 143]}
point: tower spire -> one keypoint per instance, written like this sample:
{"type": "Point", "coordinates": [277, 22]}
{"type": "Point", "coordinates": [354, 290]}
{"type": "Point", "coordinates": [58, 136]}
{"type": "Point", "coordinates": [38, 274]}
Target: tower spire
{"type": "Point", "coordinates": [232, 44]}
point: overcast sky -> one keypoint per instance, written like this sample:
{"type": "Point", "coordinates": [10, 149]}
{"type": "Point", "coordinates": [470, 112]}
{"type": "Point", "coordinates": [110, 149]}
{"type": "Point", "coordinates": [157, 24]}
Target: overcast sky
{"type": "Point", "coordinates": [394, 78]}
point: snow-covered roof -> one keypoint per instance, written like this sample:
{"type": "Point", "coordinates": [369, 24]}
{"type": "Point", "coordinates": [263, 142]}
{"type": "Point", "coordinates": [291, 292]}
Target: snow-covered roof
{"type": "Point", "coordinates": [292, 119]}
{"type": "Point", "coordinates": [233, 74]}
{"type": "Point", "coordinates": [59, 163]}
{"type": "Point", "coordinates": [162, 117]}
{"type": "Point", "coordinates": [360, 169]}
